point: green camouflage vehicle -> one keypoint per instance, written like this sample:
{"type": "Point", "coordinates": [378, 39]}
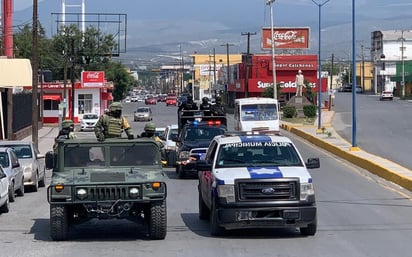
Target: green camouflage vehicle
{"type": "Point", "coordinates": [114, 179]}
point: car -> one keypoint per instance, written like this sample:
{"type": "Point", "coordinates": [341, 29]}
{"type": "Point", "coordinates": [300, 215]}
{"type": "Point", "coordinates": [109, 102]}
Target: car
{"type": "Point", "coordinates": [88, 121]}
{"type": "Point", "coordinates": [159, 132]}
{"type": "Point", "coordinates": [4, 192]}
{"type": "Point", "coordinates": [169, 137]}
{"type": "Point", "coordinates": [134, 99]}
{"type": "Point", "coordinates": [150, 100]}
{"type": "Point", "coordinates": [254, 180]}
{"type": "Point", "coordinates": [171, 100]}
{"type": "Point", "coordinates": [11, 166]}
{"type": "Point", "coordinates": [386, 95]}
{"type": "Point", "coordinates": [32, 162]}
{"type": "Point", "coordinates": [143, 114]}
{"type": "Point", "coordinates": [359, 89]}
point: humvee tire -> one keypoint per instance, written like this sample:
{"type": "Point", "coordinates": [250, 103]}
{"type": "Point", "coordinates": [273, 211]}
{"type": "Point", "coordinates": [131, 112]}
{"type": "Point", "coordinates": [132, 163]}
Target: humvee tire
{"type": "Point", "coordinates": [158, 220]}
{"type": "Point", "coordinates": [59, 223]}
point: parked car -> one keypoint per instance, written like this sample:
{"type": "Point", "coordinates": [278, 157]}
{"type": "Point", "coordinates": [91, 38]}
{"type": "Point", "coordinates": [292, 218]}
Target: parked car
{"type": "Point", "coordinates": [31, 161]}
{"type": "Point", "coordinates": [171, 100]}
{"type": "Point", "coordinates": [143, 114]}
{"type": "Point", "coordinates": [4, 192]}
{"type": "Point", "coordinates": [88, 122]}
{"type": "Point", "coordinates": [11, 166]}
{"type": "Point", "coordinates": [386, 95]}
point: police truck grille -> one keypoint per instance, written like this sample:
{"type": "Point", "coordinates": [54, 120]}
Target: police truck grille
{"type": "Point", "coordinates": [272, 190]}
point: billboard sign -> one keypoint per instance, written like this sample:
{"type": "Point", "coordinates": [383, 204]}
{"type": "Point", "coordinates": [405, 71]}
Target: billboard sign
{"type": "Point", "coordinates": [93, 78]}
{"type": "Point", "coordinates": [286, 38]}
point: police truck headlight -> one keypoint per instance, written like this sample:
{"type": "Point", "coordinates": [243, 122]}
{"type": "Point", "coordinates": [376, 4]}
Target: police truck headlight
{"type": "Point", "coordinates": [226, 191]}
{"type": "Point", "coordinates": [306, 189]}
{"type": "Point", "coordinates": [81, 193]}
{"type": "Point", "coordinates": [184, 155]}
{"type": "Point", "coordinates": [133, 192]}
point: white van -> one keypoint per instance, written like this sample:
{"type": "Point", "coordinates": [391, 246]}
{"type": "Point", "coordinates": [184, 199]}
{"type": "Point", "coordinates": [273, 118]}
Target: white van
{"type": "Point", "coordinates": [256, 113]}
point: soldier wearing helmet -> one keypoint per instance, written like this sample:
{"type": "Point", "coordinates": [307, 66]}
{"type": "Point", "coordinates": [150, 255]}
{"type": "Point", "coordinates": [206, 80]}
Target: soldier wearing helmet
{"type": "Point", "coordinates": [205, 105]}
{"type": "Point", "coordinates": [218, 109]}
{"type": "Point", "coordinates": [149, 132]}
{"type": "Point", "coordinates": [67, 131]}
{"type": "Point", "coordinates": [111, 124]}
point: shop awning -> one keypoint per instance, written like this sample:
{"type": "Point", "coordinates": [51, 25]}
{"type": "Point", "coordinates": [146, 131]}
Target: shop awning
{"type": "Point", "coordinates": [15, 73]}
{"type": "Point", "coordinates": [52, 97]}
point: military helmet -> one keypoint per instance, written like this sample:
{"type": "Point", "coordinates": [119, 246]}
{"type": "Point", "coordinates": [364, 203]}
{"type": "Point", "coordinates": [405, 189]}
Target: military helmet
{"type": "Point", "coordinates": [150, 126]}
{"type": "Point", "coordinates": [67, 123]}
{"type": "Point", "coordinates": [115, 106]}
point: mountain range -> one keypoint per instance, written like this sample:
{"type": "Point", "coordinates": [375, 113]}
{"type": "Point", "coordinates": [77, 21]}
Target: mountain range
{"type": "Point", "coordinates": [161, 31]}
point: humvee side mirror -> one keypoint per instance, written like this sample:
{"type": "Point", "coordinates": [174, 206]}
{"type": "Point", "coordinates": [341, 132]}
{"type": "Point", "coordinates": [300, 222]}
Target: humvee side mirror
{"type": "Point", "coordinates": [49, 160]}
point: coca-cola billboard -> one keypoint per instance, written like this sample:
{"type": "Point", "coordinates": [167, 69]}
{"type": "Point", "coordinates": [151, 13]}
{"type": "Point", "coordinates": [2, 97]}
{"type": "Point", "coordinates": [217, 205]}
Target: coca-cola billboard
{"type": "Point", "coordinates": [93, 78]}
{"type": "Point", "coordinates": [286, 38]}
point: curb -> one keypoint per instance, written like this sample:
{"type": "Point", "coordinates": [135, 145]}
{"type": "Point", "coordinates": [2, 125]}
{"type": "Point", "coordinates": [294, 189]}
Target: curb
{"type": "Point", "coordinates": [355, 158]}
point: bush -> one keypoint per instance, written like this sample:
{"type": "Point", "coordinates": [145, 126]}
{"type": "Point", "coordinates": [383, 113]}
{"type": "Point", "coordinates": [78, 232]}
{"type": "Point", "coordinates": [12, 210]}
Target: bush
{"type": "Point", "coordinates": [289, 111]}
{"type": "Point", "coordinates": [309, 110]}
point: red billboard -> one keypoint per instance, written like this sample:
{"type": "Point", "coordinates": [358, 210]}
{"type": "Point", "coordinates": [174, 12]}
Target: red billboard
{"type": "Point", "coordinates": [286, 38]}
{"type": "Point", "coordinates": [93, 78]}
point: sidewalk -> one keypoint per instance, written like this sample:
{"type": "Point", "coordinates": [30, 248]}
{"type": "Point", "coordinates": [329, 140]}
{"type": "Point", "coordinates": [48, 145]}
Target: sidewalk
{"type": "Point", "coordinates": [332, 142]}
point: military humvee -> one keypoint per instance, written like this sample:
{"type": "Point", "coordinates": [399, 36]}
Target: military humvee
{"type": "Point", "coordinates": [114, 179]}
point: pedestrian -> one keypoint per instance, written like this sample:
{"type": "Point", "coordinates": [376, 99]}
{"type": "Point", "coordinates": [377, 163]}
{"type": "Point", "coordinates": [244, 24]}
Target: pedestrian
{"type": "Point", "coordinates": [111, 124]}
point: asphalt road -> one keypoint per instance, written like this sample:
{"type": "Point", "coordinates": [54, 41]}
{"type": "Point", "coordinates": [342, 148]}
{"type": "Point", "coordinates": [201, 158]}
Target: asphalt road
{"type": "Point", "coordinates": [382, 127]}
{"type": "Point", "coordinates": [358, 215]}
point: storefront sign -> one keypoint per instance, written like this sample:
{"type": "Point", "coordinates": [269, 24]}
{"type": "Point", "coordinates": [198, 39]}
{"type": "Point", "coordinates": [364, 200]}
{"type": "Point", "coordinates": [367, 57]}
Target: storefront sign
{"type": "Point", "coordinates": [93, 78]}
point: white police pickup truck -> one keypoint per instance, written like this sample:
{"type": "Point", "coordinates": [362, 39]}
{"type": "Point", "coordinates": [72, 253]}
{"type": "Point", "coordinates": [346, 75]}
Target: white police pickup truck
{"type": "Point", "coordinates": [256, 181]}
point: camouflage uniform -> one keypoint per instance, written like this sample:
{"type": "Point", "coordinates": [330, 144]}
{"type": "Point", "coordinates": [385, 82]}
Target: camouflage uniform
{"type": "Point", "coordinates": [67, 131]}
{"type": "Point", "coordinates": [112, 124]}
{"type": "Point", "coordinates": [149, 132]}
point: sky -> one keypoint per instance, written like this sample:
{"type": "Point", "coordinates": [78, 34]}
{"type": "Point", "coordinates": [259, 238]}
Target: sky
{"type": "Point", "coordinates": [204, 25]}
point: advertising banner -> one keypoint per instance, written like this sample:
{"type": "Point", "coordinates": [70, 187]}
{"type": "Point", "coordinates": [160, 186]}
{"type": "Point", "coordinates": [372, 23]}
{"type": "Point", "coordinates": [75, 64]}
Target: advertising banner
{"type": "Point", "coordinates": [93, 78]}
{"type": "Point", "coordinates": [286, 38]}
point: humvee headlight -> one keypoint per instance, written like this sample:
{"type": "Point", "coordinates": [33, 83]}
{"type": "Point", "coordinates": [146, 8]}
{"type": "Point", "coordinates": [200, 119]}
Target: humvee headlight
{"type": "Point", "coordinates": [81, 193]}
{"type": "Point", "coordinates": [59, 187]}
{"type": "Point", "coordinates": [133, 192]}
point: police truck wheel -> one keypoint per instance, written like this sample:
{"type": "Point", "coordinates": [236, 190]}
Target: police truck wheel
{"type": "Point", "coordinates": [158, 220]}
{"type": "Point", "coordinates": [310, 230]}
{"type": "Point", "coordinates": [215, 229]}
{"type": "Point", "coordinates": [59, 222]}
{"type": "Point", "coordinates": [203, 210]}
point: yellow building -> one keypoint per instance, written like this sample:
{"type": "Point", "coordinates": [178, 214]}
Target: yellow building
{"type": "Point", "coordinates": [210, 72]}
{"type": "Point", "coordinates": [364, 76]}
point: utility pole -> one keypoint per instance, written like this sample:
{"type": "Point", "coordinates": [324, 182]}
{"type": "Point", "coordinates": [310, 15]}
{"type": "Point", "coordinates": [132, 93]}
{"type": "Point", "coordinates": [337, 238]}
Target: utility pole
{"type": "Point", "coordinates": [227, 61]}
{"type": "Point", "coordinates": [35, 67]}
{"type": "Point", "coordinates": [248, 61]}
{"type": "Point", "coordinates": [331, 82]}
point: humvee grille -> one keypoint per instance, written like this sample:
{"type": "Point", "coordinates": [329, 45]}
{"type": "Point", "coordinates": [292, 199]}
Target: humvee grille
{"type": "Point", "coordinates": [107, 192]}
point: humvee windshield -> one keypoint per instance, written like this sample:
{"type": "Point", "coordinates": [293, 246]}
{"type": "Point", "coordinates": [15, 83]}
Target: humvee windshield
{"type": "Point", "coordinates": [128, 155]}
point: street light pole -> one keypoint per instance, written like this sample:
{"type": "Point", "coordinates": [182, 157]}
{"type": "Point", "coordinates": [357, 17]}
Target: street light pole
{"type": "Point", "coordinates": [319, 67]}
{"type": "Point", "coordinates": [275, 93]}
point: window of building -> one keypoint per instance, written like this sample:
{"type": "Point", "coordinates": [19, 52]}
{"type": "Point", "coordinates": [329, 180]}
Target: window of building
{"type": "Point", "coordinates": [51, 105]}
{"type": "Point", "coordinates": [85, 103]}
